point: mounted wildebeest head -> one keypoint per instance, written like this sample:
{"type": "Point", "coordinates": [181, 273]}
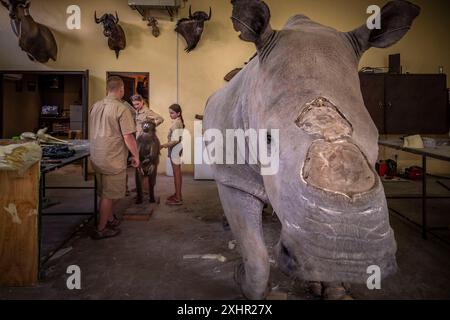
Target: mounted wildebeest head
{"type": "Point", "coordinates": [191, 29]}
{"type": "Point", "coordinates": [113, 31]}
{"type": "Point", "coordinates": [304, 88]}
{"type": "Point", "coordinates": [34, 38]}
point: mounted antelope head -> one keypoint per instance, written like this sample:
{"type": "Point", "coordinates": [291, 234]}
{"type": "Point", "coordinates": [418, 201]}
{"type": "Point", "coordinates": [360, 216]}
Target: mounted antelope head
{"type": "Point", "coordinates": [34, 38]}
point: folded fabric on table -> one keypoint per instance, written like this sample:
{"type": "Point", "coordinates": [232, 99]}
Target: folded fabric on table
{"type": "Point", "coordinates": [57, 152]}
{"type": "Point", "coordinates": [19, 157]}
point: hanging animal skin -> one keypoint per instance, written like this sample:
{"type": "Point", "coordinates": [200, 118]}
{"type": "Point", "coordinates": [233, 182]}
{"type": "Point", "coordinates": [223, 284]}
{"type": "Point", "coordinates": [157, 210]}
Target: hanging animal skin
{"type": "Point", "coordinates": [152, 22]}
{"type": "Point", "coordinates": [34, 38]}
{"type": "Point", "coordinates": [191, 29]}
{"type": "Point", "coordinates": [113, 31]}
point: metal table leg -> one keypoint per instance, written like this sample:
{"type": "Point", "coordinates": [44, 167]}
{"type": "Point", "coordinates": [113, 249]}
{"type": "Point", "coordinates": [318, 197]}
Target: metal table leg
{"type": "Point", "coordinates": [41, 199]}
{"type": "Point", "coordinates": [86, 173]}
{"type": "Point", "coordinates": [424, 197]}
{"type": "Point", "coordinates": [43, 185]}
{"type": "Point", "coordinates": [95, 201]}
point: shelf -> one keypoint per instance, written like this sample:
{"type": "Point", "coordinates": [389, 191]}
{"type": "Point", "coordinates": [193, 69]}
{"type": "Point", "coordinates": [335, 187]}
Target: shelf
{"type": "Point", "coordinates": [54, 119]}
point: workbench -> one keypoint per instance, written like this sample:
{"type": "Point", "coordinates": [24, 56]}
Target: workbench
{"type": "Point", "coordinates": [21, 217]}
{"type": "Point", "coordinates": [440, 152]}
{"type": "Point", "coordinates": [80, 155]}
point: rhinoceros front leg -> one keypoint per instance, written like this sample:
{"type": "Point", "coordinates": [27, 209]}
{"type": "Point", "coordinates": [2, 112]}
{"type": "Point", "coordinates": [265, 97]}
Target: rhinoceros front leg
{"type": "Point", "coordinates": [243, 212]}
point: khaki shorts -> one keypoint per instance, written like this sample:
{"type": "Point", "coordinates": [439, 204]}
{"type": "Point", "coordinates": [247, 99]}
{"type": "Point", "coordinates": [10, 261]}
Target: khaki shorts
{"type": "Point", "coordinates": [111, 187]}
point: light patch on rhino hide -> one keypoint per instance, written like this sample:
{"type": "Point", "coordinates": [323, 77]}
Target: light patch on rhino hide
{"type": "Point", "coordinates": [323, 120]}
{"type": "Point", "coordinates": [338, 167]}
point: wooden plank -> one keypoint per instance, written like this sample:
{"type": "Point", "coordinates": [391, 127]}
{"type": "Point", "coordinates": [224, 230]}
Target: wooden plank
{"type": "Point", "coordinates": [19, 249]}
{"type": "Point", "coordinates": [139, 212]}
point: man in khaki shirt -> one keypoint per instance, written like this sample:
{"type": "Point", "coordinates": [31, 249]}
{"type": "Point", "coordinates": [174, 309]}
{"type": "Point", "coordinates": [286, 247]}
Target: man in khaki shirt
{"type": "Point", "coordinates": [111, 136]}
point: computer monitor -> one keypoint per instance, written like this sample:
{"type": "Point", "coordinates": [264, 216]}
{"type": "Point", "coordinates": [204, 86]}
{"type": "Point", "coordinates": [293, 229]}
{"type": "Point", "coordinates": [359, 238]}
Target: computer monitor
{"type": "Point", "coordinates": [50, 111]}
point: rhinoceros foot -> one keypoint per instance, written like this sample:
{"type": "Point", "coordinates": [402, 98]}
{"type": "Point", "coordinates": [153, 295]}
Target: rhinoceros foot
{"type": "Point", "coordinates": [335, 291]}
{"type": "Point", "coordinates": [315, 288]}
{"type": "Point", "coordinates": [247, 289]}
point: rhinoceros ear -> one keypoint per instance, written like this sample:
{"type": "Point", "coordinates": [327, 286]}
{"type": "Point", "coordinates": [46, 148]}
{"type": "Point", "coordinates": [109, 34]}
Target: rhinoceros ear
{"type": "Point", "coordinates": [251, 18]}
{"type": "Point", "coordinates": [396, 19]}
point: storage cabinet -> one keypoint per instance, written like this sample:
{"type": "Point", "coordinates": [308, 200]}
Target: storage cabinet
{"type": "Point", "coordinates": [19, 246]}
{"type": "Point", "coordinates": [407, 104]}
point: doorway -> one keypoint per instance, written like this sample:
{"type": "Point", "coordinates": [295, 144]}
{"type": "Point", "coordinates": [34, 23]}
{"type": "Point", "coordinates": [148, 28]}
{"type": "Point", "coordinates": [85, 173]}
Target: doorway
{"type": "Point", "coordinates": [135, 83]}
{"type": "Point", "coordinates": [31, 100]}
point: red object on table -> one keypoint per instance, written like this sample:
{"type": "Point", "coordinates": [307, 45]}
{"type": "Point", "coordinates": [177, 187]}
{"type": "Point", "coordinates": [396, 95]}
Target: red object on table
{"type": "Point", "coordinates": [382, 168]}
{"type": "Point", "coordinates": [414, 173]}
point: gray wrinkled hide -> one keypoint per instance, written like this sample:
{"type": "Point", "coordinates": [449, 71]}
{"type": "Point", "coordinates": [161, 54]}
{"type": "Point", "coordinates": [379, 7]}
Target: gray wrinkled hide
{"type": "Point", "coordinates": [326, 235]}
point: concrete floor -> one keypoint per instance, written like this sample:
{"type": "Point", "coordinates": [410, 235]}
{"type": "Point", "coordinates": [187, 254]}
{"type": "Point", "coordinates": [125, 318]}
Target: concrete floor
{"type": "Point", "coordinates": [146, 261]}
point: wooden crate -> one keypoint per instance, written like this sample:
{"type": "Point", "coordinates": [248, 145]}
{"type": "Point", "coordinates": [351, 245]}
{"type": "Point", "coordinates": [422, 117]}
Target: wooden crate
{"type": "Point", "coordinates": [19, 247]}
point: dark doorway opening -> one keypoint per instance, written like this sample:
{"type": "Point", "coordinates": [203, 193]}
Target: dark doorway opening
{"type": "Point", "coordinates": [135, 83]}
{"type": "Point", "coordinates": [31, 100]}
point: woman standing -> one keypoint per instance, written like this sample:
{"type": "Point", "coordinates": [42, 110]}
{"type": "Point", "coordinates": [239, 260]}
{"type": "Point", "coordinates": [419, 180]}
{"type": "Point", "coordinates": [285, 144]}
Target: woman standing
{"type": "Point", "coordinates": [176, 114]}
{"type": "Point", "coordinates": [144, 112]}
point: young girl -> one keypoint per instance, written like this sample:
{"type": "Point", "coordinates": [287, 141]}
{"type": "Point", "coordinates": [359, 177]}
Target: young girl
{"type": "Point", "coordinates": [176, 114]}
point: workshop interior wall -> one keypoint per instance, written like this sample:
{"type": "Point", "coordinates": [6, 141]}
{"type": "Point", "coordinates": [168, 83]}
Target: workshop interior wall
{"type": "Point", "coordinates": [72, 92]}
{"type": "Point", "coordinates": [21, 107]}
{"type": "Point", "coordinates": [191, 78]}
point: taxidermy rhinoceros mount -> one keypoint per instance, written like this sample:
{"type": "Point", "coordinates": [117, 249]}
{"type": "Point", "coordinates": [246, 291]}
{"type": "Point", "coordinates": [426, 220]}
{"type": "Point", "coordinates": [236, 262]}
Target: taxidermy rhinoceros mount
{"type": "Point", "coordinates": [113, 31]}
{"type": "Point", "coordinates": [191, 29]}
{"type": "Point", "coordinates": [329, 200]}
{"type": "Point", "coordinates": [34, 38]}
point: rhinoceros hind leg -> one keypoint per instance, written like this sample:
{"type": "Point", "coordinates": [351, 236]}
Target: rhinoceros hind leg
{"type": "Point", "coordinates": [243, 212]}
{"type": "Point", "coordinates": [285, 261]}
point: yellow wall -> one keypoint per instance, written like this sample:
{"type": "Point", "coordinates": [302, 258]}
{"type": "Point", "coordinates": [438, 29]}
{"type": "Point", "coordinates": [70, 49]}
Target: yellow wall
{"type": "Point", "coordinates": [201, 72]}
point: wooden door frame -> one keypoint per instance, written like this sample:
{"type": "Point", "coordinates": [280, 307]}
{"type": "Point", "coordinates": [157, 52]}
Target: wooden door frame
{"type": "Point", "coordinates": [112, 73]}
